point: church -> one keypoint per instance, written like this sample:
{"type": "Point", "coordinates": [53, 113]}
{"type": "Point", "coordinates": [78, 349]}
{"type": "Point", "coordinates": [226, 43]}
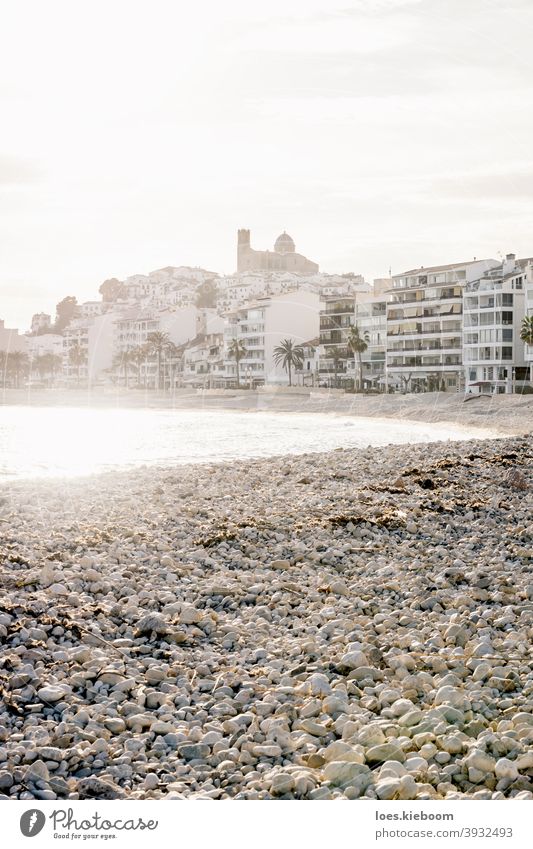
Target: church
{"type": "Point", "coordinates": [282, 258]}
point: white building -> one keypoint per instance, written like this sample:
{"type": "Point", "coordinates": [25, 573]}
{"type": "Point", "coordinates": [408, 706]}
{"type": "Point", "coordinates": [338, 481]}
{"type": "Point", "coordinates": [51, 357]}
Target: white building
{"type": "Point", "coordinates": [425, 326]}
{"type": "Point", "coordinates": [370, 317]}
{"type": "Point", "coordinates": [494, 306]}
{"type": "Point", "coordinates": [337, 364]}
{"type": "Point", "coordinates": [203, 362]}
{"type": "Point", "coordinates": [89, 309]}
{"type": "Point", "coordinates": [40, 321]}
{"type": "Point", "coordinates": [263, 325]}
{"type": "Point", "coordinates": [46, 343]}
{"type": "Point", "coordinates": [11, 340]}
{"type": "Point", "coordinates": [76, 336]}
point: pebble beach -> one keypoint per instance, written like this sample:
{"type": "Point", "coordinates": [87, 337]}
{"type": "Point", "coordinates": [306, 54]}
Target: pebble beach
{"type": "Point", "coordinates": [349, 625]}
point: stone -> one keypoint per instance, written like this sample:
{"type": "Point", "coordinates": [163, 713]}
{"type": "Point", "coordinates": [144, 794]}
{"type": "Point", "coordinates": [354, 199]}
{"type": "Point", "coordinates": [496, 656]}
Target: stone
{"type": "Point", "coordinates": [97, 788]}
{"type": "Point", "coordinates": [52, 693]}
{"type": "Point", "coordinates": [191, 751]}
{"type": "Point", "coordinates": [353, 659]}
{"type": "Point", "coordinates": [385, 752]}
{"type": "Point", "coordinates": [506, 768]}
{"type": "Point", "coordinates": [282, 783]}
{"type": "Point", "coordinates": [37, 771]}
{"type": "Point", "coordinates": [151, 782]}
{"type": "Point", "coordinates": [388, 788]}
{"type": "Point", "coordinates": [341, 773]}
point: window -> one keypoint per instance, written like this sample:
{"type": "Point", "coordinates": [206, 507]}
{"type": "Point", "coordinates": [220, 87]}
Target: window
{"type": "Point", "coordinates": [507, 353]}
{"type": "Point", "coordinates": [507, 335]}
{"type": "Point", "coordinates": [507, 317]}
{"type": "Point", "coordinates": [507, 299]}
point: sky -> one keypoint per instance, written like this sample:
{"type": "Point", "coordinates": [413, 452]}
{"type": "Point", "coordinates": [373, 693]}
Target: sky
{"type": "Point", "coordinates": [381, 134]}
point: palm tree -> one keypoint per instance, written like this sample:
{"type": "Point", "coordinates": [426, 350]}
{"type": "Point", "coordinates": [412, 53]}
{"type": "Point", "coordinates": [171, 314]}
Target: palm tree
{"type": "Point", "coordinates": [289, 355]}
{"type": "Point", "coordinates": [337, 355]}
{"type": "Point", "coordinates": [138, 357]}
{"type": "Point", "coordinates": [526, 335]}
{"type": "Point", "coordinates": [237, 352]}
{"type": "Point", "coordinates": [156, 343]}
{"type": "Point", "coordinates": [46, 365]}
{"type": "Point", "coordinates": [123, 360]}
{"type": "Point", "coordinates": [171, 352]}
{"type": "Point", "coordinates": [17, 365]}
{"type": "Point", "coordinates": [77, 357]}
{"type": "Point", "coordinates": [357, 345]}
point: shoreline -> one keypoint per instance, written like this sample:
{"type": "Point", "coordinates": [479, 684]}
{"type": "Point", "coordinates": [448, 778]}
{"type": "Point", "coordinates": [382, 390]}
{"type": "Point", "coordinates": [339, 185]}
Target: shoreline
{"type": "Point", "coordinates": [357, 626]}
{"type": "Point", "coordinates": [505, 414]}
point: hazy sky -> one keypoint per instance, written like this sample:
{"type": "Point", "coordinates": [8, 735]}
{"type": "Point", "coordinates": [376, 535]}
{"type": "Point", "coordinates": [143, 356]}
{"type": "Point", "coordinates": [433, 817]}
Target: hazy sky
{"type": "Point", "coordinates": [141, 134]}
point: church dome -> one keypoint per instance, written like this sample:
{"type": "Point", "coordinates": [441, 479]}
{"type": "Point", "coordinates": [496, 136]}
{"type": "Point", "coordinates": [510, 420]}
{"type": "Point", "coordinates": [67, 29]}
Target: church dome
{"type": "Point", "coordinates": [284, 244]}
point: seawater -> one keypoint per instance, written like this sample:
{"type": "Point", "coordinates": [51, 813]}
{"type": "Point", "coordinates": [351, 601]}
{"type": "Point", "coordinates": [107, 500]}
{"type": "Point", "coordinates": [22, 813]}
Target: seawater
{"type": "Point", "coordinates": [70, 441]}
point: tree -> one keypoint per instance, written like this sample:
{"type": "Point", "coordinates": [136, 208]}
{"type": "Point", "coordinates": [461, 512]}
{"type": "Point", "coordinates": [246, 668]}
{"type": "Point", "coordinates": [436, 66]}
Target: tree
{"type": "Point", "coordinates": [357, 345]}
{"type": "Point", "coordinates": [138, 357]}
{"type": "Point", "coordinates": [526, 335]}
{"type": "Point", "coordinates": [406, 380]}
{"type": "Point", "coordinates": [337, 355]}
{"type": "Point", "coordinates": [65, 312]}
{"type": "Point", "coordinates": [46, 365]}
{"type": "Point", "coordinates": [156, 343]}
{"type": "Point", "coordinates": [77, 357]}
{"type": "Point", "coordinates": [111, 290]}
{"type": "Point", "coordinates": [123, 360]}
{"type": "Point", "coordinates": [290, 356]}
{"type": "Point", "coordinates": [237, 352]}
{"type": "Point", "coordinates": [16, 364]}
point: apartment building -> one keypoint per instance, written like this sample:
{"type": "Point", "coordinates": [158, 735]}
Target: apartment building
{"type": "Point", "coordinates": [425, 326]}
{"type": "Point", "coordinates": [11, 340]}
{"type": "Point", "coordinates": [263, 325]}
{"type": "Point", "coordinates": [75, 352]}
{"type": "Point", "coordinates": [45, 343]}
{"type": "Point", "coordinates": [203, 362]}
{"type": "Point", "coordinates": [40, 322]}
{"type": "Point", "coordinates": [370, 317]}
{"type": "Point", "coordinates": [494, 307]}
{"type": "Point", "coordinates": [337, 364]}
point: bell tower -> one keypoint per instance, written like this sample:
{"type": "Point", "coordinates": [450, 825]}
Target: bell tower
{"type": "Point", "coordinates": [243, 246]}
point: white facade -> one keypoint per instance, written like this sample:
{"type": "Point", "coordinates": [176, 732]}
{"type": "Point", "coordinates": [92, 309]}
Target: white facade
{"type": "Point", "coordinates": [46, 343]}
{"type": "Point", "coordinates": [40, 321]}
{"type": "Point", "coordinates": [370, 317]}
{"type": "Point", "coordinates": [425, 325]}
{"type": "Point", "coordinates": [494, 306]}
{"type": "Point", "coordinates": [11, 340]}
{"type": "Point", "coordinates": [263, 325]}
{"type": "Point", "coordinates": [76, 335]}
{"type": "Point", "coordinates": [89, 309]}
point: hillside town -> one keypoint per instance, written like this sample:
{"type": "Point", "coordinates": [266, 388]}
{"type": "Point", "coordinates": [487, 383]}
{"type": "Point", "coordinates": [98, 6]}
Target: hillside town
{"type": "Point", "coordinates": [279, 321]}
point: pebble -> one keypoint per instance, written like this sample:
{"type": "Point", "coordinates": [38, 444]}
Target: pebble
{"type": "Point", "coordinates": [223, 631]}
